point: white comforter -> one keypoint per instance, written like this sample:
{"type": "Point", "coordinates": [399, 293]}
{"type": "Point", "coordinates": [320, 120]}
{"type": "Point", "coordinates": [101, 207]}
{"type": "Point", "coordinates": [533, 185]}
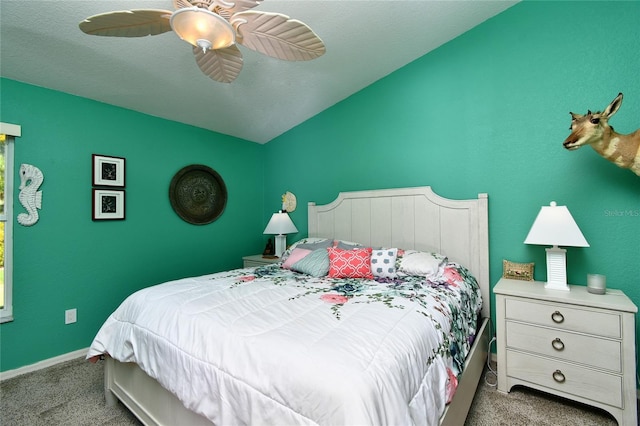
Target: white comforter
{"type": "Point", "coordinates": [274, 347]}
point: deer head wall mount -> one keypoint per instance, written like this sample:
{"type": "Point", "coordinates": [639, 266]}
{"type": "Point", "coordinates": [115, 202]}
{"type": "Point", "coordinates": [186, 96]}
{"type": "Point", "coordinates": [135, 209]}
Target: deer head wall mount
{"type": "Point", "coordinates": [594, 129]}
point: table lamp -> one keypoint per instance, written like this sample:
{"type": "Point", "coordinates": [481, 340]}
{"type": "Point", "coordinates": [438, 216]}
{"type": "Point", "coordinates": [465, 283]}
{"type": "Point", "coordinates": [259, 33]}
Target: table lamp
{"type": "Point", "coordinates": [555, 226]}
{"type": "Point", "coordinates": [280, 225]}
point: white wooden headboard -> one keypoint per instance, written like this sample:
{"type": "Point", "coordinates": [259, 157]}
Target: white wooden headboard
{"type": "Point", "coordinates": [411, 218]}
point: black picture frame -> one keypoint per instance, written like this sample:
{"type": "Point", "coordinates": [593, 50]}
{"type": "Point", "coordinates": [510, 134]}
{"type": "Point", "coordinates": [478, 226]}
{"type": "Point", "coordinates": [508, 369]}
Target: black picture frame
{"type": "Point", "coordinates": [108, 204]}
{"type": "Point", "coordinates": [108, 171]}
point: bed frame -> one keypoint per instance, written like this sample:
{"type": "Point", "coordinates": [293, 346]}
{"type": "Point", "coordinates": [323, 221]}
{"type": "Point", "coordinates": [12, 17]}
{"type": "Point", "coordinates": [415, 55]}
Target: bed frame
{"type": "Point", "coordinates": [409, 218]}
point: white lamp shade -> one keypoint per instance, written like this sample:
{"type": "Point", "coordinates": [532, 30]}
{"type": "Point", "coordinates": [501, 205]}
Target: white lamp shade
{"type": "Point", "coordinates": [555, 226]}
{"type": "Point", "coordinates": [279, 224]}
{"type": "Point", "coordinates": [202, 28]}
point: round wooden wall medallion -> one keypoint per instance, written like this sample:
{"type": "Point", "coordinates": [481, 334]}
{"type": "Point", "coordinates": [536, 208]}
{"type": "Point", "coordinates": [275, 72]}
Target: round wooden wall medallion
{"type": "Point", "coordinates": [198, 194]}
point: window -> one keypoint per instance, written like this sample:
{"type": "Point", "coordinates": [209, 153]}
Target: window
{"type": "Point", "coordinates": [7, 134]}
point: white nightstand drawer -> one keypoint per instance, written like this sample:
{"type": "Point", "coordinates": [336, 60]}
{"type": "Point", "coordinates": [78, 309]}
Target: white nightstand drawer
{"type": "Point", "coordinates": [561, 316]}
{"type": "Point", "coordinates": [584, 349]}
{"type": "Point", "coordinates": [565, 377]}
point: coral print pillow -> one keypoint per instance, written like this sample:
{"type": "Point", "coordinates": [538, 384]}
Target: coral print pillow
{"type": "Point", "coordinates": [350, 263]}
{"type": "Point", "coordinates": [383, 262]}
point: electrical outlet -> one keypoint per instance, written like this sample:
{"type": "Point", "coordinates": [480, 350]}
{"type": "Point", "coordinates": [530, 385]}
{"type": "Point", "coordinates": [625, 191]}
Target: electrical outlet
{"type": "Point", "coordinates": [70, 316]}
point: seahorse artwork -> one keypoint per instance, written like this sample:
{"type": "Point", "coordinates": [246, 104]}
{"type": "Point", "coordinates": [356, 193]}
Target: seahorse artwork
{"type": "Point", "coordinates": [31, 199]}
{"type": "Point", "coordinates": [593, 129]}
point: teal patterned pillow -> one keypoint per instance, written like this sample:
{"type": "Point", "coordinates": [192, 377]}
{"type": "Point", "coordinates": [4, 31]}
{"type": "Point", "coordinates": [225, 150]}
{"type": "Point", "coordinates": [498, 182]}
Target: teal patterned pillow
{"type": "Point", "coordinates": [315, 263]}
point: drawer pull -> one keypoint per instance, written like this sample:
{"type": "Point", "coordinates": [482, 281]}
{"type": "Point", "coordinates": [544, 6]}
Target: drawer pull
{"type": "Point", "coordinates": [558, 376]}
{"type": "Point", "coordinates": [557, 317]}
{"type": "Point", "coordinates": [557, 344]}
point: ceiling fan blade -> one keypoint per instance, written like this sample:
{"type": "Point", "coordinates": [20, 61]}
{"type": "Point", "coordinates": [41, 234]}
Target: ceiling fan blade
{"type": "Point", "coordinates": [277, 35]}
{"type": "Point", "coordinates": [128, 23]}
{"type": "Point", "coordinates": [221, 65]}
{"type": "Point", "coordinates": [181, 4]}
{"type": "Point", "coordinates": [231, 6]}
{"type": "Point", "coordinates": [235, 6]}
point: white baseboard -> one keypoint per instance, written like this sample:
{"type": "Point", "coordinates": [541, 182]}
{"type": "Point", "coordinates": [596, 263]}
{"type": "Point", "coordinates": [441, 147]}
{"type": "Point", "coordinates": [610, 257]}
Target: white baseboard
{"type": "Point", "coordinates": [43, 364]}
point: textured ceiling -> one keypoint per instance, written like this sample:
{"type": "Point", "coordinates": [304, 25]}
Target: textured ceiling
{"type": "Point", "coordinates": [40, 44]}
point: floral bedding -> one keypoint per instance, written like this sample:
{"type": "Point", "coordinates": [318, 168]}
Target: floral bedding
{"type": "Point", "coordinates": [270, 345]}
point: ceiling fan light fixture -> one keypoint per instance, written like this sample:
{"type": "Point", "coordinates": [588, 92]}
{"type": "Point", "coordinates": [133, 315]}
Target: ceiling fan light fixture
{"type": "Point", "coordinates": [202, 28]}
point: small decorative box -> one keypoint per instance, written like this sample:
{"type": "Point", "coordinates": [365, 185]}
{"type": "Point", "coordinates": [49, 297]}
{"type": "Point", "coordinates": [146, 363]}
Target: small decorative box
{"type": "Point", "coordinates": [517, 271]}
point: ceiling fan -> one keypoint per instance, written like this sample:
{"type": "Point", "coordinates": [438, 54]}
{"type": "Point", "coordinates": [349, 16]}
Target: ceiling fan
{"type": "Point", "coordinates": [214, 27]}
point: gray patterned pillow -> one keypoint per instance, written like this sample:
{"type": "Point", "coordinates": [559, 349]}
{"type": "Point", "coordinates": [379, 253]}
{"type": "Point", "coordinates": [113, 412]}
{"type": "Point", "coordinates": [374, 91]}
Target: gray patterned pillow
{"type": "Point", "coordinates": [348, 245]}
{"type": "Point", "coordinates": [309, 243]}
{"type": "Point", "coordinates": [316, 246]}
{"type": "Point", "coordinates": [383, 262]}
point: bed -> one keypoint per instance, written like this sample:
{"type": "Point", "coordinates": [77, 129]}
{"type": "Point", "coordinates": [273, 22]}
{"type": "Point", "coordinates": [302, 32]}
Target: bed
{"type": "Point", "coordinates": [288, 345]}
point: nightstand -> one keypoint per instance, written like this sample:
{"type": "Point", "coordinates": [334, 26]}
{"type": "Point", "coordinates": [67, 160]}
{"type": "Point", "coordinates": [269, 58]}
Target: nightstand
{"type": "Point", "coordinates": [258, 260]}
{"type": "Point", "coordinates": [573, 344]}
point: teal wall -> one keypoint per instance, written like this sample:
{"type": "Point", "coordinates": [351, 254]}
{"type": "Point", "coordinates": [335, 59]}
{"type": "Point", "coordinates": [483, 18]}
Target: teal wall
{"type": "Point", "coordinates": [68, 261]}
{"type": "Point", "coordinates": [488, 112]}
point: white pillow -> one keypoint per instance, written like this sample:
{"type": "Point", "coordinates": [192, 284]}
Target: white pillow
{"type": "Point", "coordinates": [421, 263]}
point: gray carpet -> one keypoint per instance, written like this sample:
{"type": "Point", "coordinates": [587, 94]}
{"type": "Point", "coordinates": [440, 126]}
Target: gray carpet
{"type": "Point", "coordinates": [71, 394]}
{"type": "Point", "coordinates": [525, 407]}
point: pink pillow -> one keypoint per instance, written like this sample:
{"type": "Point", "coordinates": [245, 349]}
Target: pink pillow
{"type": "Point", "coordinates": [354, 263]}
{"type": "Point", "coordinates": [296, 254]}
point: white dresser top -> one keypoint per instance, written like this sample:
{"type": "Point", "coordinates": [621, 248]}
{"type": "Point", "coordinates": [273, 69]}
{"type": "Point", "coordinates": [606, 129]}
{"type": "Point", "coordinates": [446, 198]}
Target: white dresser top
{"type": "Point", "coordinates": [577, 296]}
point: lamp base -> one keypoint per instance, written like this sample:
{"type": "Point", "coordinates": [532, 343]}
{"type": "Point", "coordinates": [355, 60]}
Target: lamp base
{"type": "Point", "coordinates": [557, 269]}
{"type": "Point", "coordinates": [281, 244]}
